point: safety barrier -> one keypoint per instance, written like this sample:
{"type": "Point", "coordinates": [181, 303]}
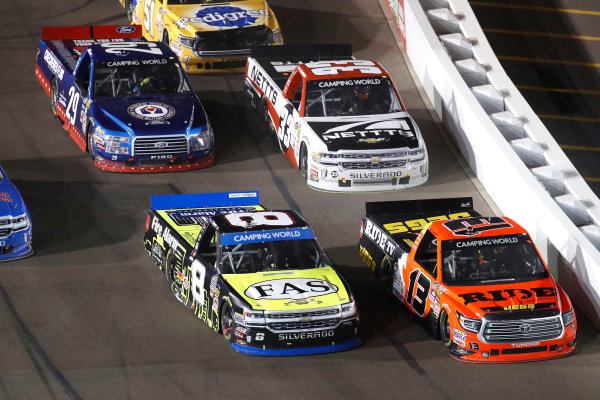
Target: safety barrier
{"type": "Point", "coordinates": [509, 149]}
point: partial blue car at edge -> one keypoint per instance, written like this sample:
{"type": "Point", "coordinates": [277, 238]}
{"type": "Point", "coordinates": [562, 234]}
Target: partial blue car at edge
{"type": "Point", "coordinates": [15, 223]}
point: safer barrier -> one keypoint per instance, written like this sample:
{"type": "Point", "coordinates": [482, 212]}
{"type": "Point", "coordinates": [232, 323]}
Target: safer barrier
{"type": "Point", "coordinates": [512, 153]}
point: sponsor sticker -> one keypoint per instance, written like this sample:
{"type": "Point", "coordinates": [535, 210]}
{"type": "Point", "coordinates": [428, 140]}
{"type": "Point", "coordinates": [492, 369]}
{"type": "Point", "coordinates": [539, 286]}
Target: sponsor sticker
{"type": "Point", "coordinates": [266, 236]}
{"type": "Point", "coordinates": [126, 29]}
{"type": "Point", "coordinates": [151, 111]}
{"type": "Point", "coordinates": [223, 17]}
{"type": "Point", "coordinates": [459, 336]}
{"type": "Point", "coordinates": [290, 288]}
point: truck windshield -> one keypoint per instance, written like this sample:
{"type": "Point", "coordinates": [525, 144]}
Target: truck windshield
{"type": "Point", "coordinates": [138, 77]}
{"type": "Point", "coordinates": [273, 256]}
{"type": "Point", "coordinates": [351, 97]}
{"type": "Point", "coordinates": [483, 262]}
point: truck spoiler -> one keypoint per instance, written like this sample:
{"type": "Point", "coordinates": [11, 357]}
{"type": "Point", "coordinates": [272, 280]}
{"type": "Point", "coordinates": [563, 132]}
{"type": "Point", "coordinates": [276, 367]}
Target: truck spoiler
{"type": "Point", "coordinates": [204, 200]}
{"type": "Point", "coordinates": [303, 51]}
{"type": "Point", "coordinates": [91, 32]}
{"type": "Point", "coordinates": [418, 208]}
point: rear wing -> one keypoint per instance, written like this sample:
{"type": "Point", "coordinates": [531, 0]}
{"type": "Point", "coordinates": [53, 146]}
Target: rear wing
{"type": "Point", "coordinates": [68, 42]}
{"type": "Point", "coordinates": [205, 200]}
{"type": "Point", "coordinates": [280, 61]}
{"type": "Point", "coordinates": [97, 33]}
{"type": "Point", "coordinates": [404, 219]}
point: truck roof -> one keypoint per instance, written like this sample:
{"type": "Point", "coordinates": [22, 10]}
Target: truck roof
{"type": "Point", "coordinates": [225, 225]}
{"type": "Point", "coordinates": [341, 69]}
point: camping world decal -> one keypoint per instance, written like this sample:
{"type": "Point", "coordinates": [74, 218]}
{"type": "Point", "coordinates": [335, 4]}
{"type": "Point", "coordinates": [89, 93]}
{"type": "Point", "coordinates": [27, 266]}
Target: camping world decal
{"type": "Point", "coordinates": [223, 17]}
{"type": "Point", "coordinates": [151, 111]}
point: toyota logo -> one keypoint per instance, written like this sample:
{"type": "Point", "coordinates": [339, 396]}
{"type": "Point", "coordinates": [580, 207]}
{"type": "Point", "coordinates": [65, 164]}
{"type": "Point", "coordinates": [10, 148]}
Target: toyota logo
{"type": "Point", "coordinates": [161, 145]}
{"type": "Point", "coordinates": [524, 328]}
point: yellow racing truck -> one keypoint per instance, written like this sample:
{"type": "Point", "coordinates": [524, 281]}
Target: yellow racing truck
{"type": "Point", "coordinates": [258, 276]}
{"type": "Point", "coordinates": [208, 36]}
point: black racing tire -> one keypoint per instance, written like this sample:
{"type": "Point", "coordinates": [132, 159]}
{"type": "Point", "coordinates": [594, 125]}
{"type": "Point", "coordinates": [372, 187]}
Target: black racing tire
{"type": "Point", "coordinates": [90, 142]}
{"type": "Point", "coordinates": [227, 323]}
{"type": "Point", "coordinates": [303, 161]}
{"type": "Point", "coordinates": [129, 10]}
{"type": "Point", "coordinates": [444, 327]}
{"type": "Point", "coordinates": [54, 95]}
{"type": "Point", "coordinates": [165, 37]}
{"type": "Point", "coordinates": [385, 273]}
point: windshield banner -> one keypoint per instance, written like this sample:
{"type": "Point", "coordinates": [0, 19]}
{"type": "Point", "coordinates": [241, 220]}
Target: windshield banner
{"type": "Point", "coordinates": [266, 236]}
{"type": "Point", "coordinates": [506, 240]}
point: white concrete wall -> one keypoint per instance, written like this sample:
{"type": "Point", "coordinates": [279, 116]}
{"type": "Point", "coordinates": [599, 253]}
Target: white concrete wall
{"type": "Point", "coordinates": [509, 149]}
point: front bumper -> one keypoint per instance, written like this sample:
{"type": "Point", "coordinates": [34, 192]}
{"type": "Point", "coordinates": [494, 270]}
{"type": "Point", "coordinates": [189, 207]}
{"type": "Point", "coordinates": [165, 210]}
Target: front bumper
{"type": "Point", "coordinates": [261, 341]}
{"type": "Point", "coordinates": [335, 179]}
{"type": "Point", "coordinates": [17, 245]}
{"type": "Point", "coordinates": [144, 165]}
{"type": "Point", "coordinates": [476, 351]}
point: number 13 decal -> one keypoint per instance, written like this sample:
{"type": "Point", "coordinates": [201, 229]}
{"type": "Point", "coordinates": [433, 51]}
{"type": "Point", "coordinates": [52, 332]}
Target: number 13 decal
{"type": "Point", "coordinates": [418, 290]}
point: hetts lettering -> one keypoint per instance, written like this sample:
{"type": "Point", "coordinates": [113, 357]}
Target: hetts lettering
{"type": "Point", "coordinates": [263, 84]}
{"type": "Point", "coordinates": [505, 294]}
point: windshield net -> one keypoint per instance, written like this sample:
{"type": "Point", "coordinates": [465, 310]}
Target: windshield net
{"type": "Point", "coordinates": [138, 77]}
{"type": "Point", "coordinates": [491, 260]}
{"type": "Point", "coordinates": [272, 256]}
{"type": "Point", "coordinates": [350, 97]}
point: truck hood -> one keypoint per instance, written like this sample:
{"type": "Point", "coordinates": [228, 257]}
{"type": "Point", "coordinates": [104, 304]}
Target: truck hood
{"type": "Point", "coordinates": [214, 17]}
{"type": "Point", "coordinates": [366, 133]}
{"type": "Point", "coordinates": [11, 202]}
{"type": "Point", "coordinates": [146, 115]}
{"type": "Point", "coordinates": [504, 297]}
{"type": "Point", "coordinates": [290, 290]}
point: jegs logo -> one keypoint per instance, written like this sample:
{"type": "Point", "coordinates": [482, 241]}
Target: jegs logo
{"type": "Point", "coordinates": [295, 288]}
{"type": "Point", "coordinates": [54, 64]}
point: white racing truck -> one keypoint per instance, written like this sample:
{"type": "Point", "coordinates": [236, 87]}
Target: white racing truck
{"type": "Point", "coordinates": [339, 120]}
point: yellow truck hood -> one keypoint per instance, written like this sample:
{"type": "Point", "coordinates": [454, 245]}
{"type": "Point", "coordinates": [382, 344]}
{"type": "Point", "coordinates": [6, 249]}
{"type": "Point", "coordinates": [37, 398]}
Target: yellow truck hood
{"type": "Point", "coordinates": [290, 290]}
{"type": "Point", "coordinates": [214, 17]}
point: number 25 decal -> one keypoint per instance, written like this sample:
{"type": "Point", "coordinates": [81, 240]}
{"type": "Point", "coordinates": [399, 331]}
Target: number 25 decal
{"type": "Point", "coordinates": [418, 290]}
{"type": "Point", "coordinates": [71, 111]}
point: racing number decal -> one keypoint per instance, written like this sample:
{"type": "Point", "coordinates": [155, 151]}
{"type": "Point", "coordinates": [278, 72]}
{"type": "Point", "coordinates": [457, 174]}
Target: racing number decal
{"type": "Point", "coordinates": [198, 276]}
{"type": "Point", "coordinates": [474, 225]}
{"type": "Point", "coordinates": [416, 225]}
{"type": "Point", "coordinates": [259, 218]}
{"type": "Point", "coordinates": [138, 47]}
{"type": "Point", "coordinates": [284, 131]}
{"type": "Point", "coordinates": [71, 111]}
{"type": "Point", "coordinates": [418, 290]}
{"type": "Point", "coordinates": [337, 67]}
{"type": "Point", "coordinates": [148, 15]}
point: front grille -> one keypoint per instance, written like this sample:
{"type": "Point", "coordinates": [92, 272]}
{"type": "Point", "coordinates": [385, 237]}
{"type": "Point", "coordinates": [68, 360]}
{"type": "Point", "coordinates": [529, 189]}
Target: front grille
{"type": "Point", "coordinates": [374, 165]}
{"type": "Point", "coordinates": [294, 326]}
{"type": "Point", "coordinates": [229, 64]}
{"type": "Point", "coordinates": [303, 314]}
{"type": "Point", "coordinates": [306, 320]}
{"type": "Point", "coordinates": [6, 227]}
{"type": "Point", "coordinates": [5, 232]}
{"type": "Point", "coordinates": [159, 145]}
{"type": "Point", "coordinates": [522, 330]}
{"type": "Point", "coordinates": [525, 350]}
{"type": "Point", "coordinates": [231, 39]}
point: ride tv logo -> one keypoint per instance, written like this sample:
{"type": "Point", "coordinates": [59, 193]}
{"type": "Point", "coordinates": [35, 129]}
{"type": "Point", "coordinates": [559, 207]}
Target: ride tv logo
{"type": "Point", "coordinates": [151, 111]}
{"type": "Point", "coordinates": [223, 17]}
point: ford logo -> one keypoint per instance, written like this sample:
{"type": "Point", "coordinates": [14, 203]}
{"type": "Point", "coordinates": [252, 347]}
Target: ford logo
{"type": "Point", "coordinates": [161, 145]}
{"type": "Point", "coordinates": [126, 29]}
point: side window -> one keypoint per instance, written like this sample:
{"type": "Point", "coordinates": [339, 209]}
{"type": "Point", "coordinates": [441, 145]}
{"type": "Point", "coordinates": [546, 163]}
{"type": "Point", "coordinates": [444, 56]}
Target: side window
{"type": "Point", "coordinates": [206, 246]}
{"type": "Point", "coordinates": [426, 254]}
{"type": "Point", "coordinates": [82, 78]}
{"type": "Point", "coordinates": [298, 96]}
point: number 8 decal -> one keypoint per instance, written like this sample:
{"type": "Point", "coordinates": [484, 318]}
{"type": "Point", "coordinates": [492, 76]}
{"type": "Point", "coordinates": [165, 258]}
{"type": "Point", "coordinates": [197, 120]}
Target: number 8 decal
{"type": "Point", "coordinates": [198, 275]}
{"type": "Point", "coordinates": [418, 290]}
{"type": "Point", "coordinates": [259, 218]}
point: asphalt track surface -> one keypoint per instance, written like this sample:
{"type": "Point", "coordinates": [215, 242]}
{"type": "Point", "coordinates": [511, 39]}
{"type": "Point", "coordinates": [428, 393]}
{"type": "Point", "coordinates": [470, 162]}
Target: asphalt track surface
{"type": "Point", "coordinates": [89, 315]}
